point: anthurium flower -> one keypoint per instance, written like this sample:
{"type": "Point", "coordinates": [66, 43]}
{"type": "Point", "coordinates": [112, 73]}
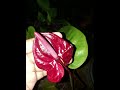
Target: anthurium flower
{"type": "Point", "coordinates": [52, 53]}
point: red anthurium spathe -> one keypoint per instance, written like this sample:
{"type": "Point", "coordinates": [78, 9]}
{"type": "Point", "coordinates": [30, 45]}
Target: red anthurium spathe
{"type": "Point", "coordinates": [51, 53]}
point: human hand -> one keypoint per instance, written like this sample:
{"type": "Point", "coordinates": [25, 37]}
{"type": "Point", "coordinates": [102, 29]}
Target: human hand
{"type": "Point", "coordinates": [33, 73]}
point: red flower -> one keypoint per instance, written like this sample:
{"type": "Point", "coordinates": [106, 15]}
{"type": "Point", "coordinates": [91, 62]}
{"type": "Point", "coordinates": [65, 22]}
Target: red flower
{"type": "Point", "coordinates": [50, 53]}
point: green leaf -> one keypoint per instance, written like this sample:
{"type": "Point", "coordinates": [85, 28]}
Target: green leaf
{"type": "Point", "coordinates": [44, 4]}
{"type": "Point", "coordinates": [48, 17]}
{"type": "Point", "coordinates": [30, 32]}
{"type": "Point", "coordinates": [41, 17]}
{"type": "Point", "coordinates": [77, 38]}
{"type": "Point", "coordinates": [51, 14]}
{"type": "Point", "coordinates": [27, 35]}
{"type": "Point", "coordinates": [46, 85]}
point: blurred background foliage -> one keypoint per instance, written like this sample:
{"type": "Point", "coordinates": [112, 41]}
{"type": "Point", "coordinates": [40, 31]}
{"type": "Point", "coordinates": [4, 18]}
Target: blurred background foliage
{"type": "Point", "coordinates": [50, 16]}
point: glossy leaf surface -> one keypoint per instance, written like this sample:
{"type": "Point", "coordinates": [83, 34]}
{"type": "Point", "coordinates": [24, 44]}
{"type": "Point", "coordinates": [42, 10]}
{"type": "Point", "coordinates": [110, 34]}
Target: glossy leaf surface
{"type": "Point", "coordinates": [77, 38]}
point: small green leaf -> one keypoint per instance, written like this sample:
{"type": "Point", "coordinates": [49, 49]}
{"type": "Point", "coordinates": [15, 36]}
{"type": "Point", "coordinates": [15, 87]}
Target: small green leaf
{"type": "Point", "coordinates": [44, 4]}
{"type": "Point", "coordinates": [77, 38]}
{"type": "Point", "coordinates": [41, 17]}
{"type": "Point", "coordinates": [30, 32]}
{"type": "Point", "coordinates": [27, 35]}
{"type": "Point", "coordinates": [48, 17]}
{"type": "Point", "coordinates": [51, 14]}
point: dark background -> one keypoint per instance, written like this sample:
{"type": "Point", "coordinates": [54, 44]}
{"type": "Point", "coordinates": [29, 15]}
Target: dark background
{"type": "Point", "coordinates": [80, 13]}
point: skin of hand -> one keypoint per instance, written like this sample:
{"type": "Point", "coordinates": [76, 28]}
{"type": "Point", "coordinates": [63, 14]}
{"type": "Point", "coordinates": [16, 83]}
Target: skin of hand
{"type": "Point", "coordinates": [33, 73]}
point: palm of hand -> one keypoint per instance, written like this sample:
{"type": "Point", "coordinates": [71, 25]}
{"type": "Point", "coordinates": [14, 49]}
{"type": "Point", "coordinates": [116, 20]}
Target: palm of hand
{"type": "Point", "coordinates": [33, 73]}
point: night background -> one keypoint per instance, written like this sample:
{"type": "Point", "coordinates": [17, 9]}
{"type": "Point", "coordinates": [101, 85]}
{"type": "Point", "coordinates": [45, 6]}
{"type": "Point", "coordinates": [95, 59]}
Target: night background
{"type": "Point", "coordinates": [80, 14]}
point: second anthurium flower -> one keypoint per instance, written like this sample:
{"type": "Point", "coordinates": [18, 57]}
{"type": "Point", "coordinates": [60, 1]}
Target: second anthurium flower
{"type": "Point", "coordinates": [52, 53]}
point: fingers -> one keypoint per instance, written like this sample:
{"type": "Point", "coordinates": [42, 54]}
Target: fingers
{"type": "Point", "coordinates": [31, 59]}
{"type": "Point", "coordinates": [32, 66]}
{"type": "Point", "coordinates": [70, 61]}
{"type": "Point", "coordinates": [29, 53]}
{"type": "Point", "coordinates": [29, 65]}
{"type": "Point", "coordinates": [58, 33]}
{"type": "Point", "coordinates": [29, 44]}
{"type": "Point", "coordinates": [30, 80]}
{"type": "Point", "coordinates": [41, 74]}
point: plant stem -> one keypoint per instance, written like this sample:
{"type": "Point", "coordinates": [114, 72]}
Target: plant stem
{"type": "Point", "coordinates": [71, 81]}
{"type": "Point", "coordinates": [79, 79]}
